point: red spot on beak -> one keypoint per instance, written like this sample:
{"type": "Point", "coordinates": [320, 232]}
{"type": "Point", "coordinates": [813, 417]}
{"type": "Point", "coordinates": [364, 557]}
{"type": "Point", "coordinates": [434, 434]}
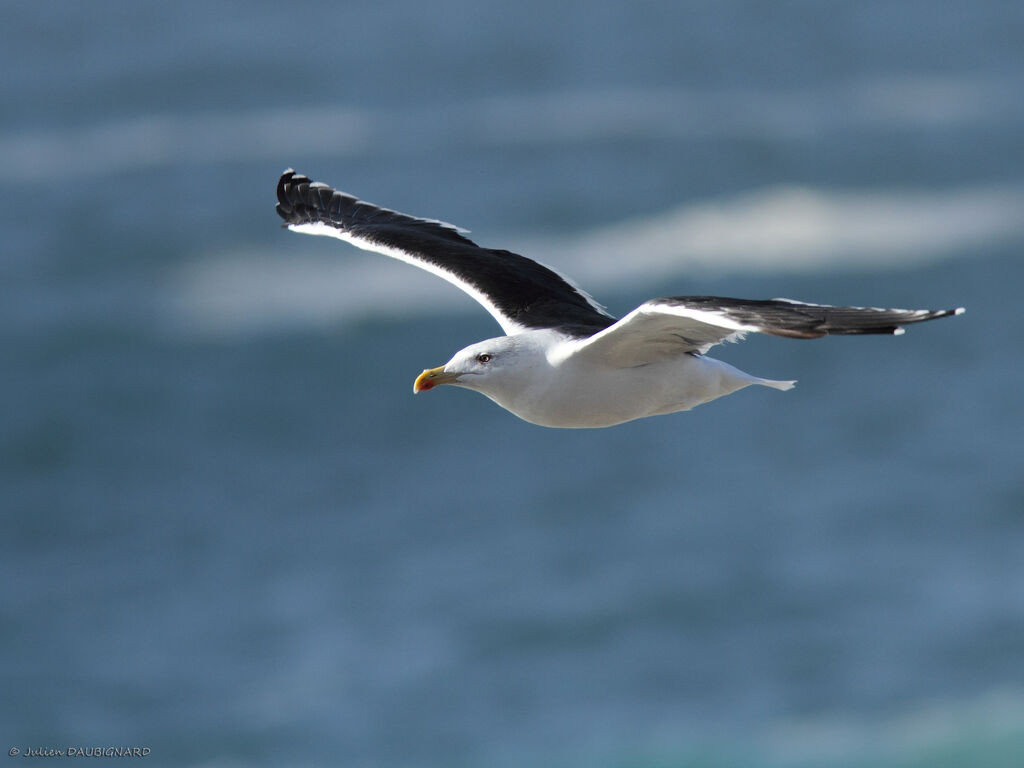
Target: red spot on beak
{"type": "Point", "coordinates": [429, 379]}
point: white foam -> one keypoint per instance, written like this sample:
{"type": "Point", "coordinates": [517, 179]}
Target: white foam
{"type": "Point", "coordinates": [307, 282]}
{"type": "Point", "coordinates": [895, 102]}
{"type": "Point", "coordinates": [927, 726]}
{"type": "Point", "coordinates": [792, 229]}
{"type": "Point", "coordinates": [163, 139]}
{"type": "Point", "coordinates": [259, 290]}
{"type": "Point", "coordinates": [325, 131]}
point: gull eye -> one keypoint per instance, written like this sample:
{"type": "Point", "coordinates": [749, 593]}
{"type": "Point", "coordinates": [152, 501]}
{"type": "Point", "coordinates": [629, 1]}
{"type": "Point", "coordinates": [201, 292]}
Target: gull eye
{"type": "Point", "coordinates": [483, 357]}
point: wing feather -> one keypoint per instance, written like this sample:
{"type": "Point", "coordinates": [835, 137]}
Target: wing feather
{"type": "Point", "coordinates": [693, 324]}
{"type": "Point", "coordinates": [518, 292]}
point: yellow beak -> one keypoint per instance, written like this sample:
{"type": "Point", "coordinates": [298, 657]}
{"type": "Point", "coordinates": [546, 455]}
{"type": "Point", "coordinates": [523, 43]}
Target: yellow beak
{"type": "Point", "coordinates": [433, 377]}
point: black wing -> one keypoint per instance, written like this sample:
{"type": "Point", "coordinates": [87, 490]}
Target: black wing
{"type": "Point", "coordinates": [800, 320]}
{"type": "Point", "coordinates": [520, 293]}
{"type": "Point", "coordinates": [676, 325]}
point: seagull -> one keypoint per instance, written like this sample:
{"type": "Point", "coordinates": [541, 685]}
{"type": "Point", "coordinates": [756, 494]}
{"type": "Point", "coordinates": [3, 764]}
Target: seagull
{"type": "Point", "coordinates": [564, 361]}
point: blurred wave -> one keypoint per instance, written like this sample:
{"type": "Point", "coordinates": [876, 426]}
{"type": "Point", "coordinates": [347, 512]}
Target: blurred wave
{"type": "Point", "coordinates": [986, 731]}
{"type": "Point", "coordinates": [323, 131]}
{"type": "Point", "coordinates": [167, 139]}
{"type": "Point", "coordinates": [787, 229]}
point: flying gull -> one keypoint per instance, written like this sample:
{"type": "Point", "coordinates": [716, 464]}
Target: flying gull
{"type": "Point", "coordinates": [564, 361]}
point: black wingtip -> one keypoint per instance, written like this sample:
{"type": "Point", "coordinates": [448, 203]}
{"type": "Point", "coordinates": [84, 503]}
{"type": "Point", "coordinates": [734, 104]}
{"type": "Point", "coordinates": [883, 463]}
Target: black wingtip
{"type": "Point", "coordinates": [292, 203]}
{"type": "Point", "coordinates": [923, 315]}
{"type": "Point", "coordinates": [284, 208]}
{"type": "Point", "coordinates": [300, 200]}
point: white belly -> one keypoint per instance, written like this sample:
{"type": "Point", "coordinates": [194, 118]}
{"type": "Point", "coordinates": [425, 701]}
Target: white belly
{"type": "Point", "coordinates": [580, 396]}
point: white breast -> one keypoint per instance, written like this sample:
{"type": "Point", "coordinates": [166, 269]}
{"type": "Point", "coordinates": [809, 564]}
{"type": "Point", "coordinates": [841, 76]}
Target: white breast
{"type": "Point", "coordinates": [580, 394]}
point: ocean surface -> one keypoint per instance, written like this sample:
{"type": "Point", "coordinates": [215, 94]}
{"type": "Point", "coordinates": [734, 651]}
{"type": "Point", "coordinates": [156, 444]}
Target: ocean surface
{"type": "Point", "coordinates": [230, 533]}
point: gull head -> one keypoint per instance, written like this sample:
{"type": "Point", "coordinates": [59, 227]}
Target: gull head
{"type": "Point", "coordinates": [487, 366]}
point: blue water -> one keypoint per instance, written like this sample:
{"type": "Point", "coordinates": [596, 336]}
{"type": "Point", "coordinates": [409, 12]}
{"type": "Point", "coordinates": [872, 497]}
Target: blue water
{"type": "Point", "coordinates": [233, 536]}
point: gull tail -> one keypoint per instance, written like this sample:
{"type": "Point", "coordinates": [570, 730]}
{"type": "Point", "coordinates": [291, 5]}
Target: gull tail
{"type": "Point", "coordinates": [782, 386]}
